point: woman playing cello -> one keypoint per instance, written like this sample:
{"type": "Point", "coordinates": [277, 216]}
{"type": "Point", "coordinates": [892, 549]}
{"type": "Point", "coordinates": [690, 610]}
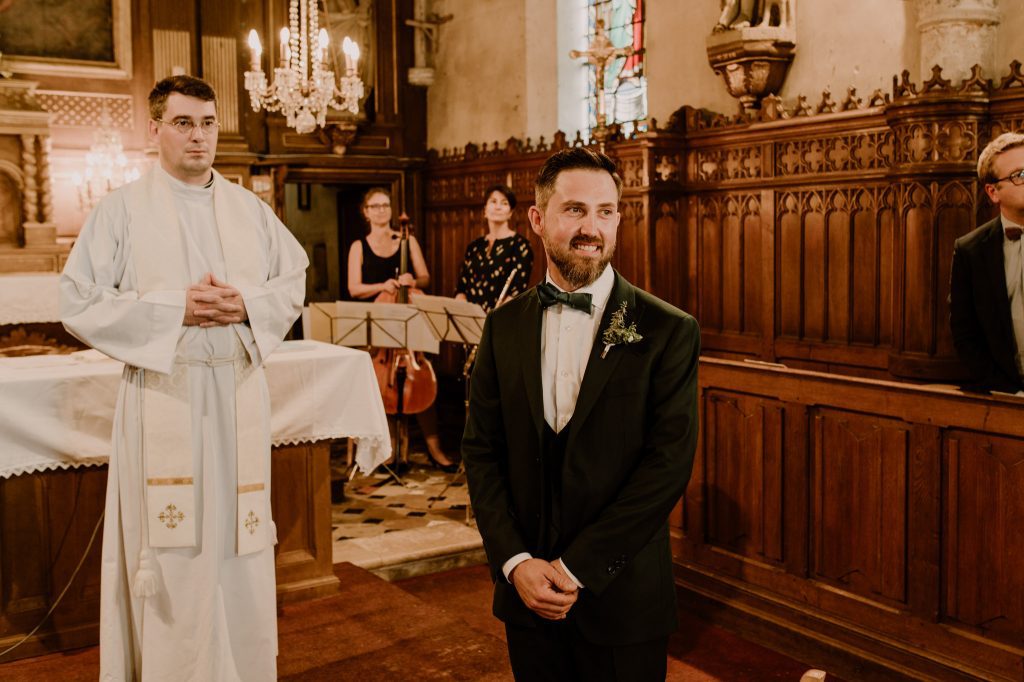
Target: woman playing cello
{"type": "Point", "coordinates": [373, 267]}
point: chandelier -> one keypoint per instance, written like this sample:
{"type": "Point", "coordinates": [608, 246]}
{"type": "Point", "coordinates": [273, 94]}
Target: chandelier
{"type": "Point", "coordinates": [106, 166]}
{"type": "Point", "coordinates": [303, 86]}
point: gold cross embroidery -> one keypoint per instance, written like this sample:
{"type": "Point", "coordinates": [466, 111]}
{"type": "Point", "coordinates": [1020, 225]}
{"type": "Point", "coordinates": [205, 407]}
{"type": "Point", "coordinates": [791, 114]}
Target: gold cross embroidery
{"type": "Point", "coordinates": [251, 522]}
{"type": "Point", "coordinates": [171, 517]}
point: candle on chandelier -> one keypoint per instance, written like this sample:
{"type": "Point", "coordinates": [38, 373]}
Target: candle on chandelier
{"type": "Point", "coordinates": [351, 50]}
{"type": "Point", "coordinates": [286, 52]}
{"type": "Point", "coordinates": [323, 40]}
{"type": "Point", "coordinates": [255, 51]}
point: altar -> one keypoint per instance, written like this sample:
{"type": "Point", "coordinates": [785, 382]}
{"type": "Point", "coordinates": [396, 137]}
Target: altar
{"type": "Point", "coordinates": [56, 416]}
{"type": "Point", "coordinates": [29, 316]}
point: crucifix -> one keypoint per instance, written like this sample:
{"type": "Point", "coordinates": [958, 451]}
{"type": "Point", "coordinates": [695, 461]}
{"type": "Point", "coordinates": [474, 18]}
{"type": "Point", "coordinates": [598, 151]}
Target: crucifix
{"type": "Point", "coordinates": [600, 53]}
{"type": "Point", "coordinates": [425, 46]}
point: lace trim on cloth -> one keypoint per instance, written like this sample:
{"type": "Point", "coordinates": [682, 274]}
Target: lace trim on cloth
{"type": "Point", "coordinates": [50, 465]}
{"type": "Point", "coordinates": [363, 440]}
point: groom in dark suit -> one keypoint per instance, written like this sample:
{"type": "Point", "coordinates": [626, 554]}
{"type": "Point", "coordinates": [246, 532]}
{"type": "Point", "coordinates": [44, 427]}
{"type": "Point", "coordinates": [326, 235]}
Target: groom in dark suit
{"type": "Point", "coordinates": [986, 298]}
{"type": "Point", "coordinates": [579, 441]}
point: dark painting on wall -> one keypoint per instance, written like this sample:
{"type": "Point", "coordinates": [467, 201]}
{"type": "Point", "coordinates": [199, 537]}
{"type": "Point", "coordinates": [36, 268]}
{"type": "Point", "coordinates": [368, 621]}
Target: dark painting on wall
{"type": "Point", "coordinates": [67, 38]}
{"type": "Point", "coordinates": [59, 30]}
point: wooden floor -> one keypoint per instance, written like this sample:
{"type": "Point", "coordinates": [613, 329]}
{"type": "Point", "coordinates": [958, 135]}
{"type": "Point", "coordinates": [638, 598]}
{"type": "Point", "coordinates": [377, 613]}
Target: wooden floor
{"type": "Point", "coordinates": [432, 627]}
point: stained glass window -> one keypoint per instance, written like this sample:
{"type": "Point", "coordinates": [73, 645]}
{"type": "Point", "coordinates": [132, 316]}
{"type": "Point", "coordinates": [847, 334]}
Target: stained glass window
{"type": "Point", "coordinates": [625, 81]}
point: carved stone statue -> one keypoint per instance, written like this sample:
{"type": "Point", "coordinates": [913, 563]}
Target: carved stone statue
{"type": "Point", "coordinates": [736, 14]}
{"type": "Point", "coordinates": [752, 46]}
{"type": "Point", "coordinates": [740, 14]}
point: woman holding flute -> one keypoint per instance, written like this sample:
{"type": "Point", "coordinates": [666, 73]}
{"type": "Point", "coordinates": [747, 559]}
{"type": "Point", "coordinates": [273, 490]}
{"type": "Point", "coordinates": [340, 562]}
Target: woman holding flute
{"type": "Point", "coordinates": [497, 265]}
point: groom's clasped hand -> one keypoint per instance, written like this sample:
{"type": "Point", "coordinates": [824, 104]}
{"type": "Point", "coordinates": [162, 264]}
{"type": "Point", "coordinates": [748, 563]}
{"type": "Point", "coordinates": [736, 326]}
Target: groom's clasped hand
{"type": "Point", "coordinates": [545, 588]}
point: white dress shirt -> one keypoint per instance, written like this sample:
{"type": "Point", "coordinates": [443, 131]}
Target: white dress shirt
{"type": "Point", "coordinates": [1013, 260]}
{"type": "Point", "coordinates": [566, 339]}
{"type": "Point", "coordinates": [567, 336]}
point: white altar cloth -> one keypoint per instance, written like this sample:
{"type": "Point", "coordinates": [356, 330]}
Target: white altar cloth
{"type": "Point", "coordinates": [28, 298]}
{"type": "Point", "coordinates": [56, 411]}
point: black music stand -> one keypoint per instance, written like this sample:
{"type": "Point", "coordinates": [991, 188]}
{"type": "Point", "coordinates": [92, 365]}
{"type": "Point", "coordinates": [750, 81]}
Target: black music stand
{"type": "Point", "coordinates": [372, 326]}
{"type": "Point", "coordinates": [458, 322]}
{"type": "Point", "coordinates": [451, 319]}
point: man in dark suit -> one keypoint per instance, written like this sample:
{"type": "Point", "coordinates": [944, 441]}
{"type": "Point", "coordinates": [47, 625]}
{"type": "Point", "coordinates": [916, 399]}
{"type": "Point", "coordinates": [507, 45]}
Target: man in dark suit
{"type": "Point", "coordinates": [579, 441]}
{"type": "Point", "coordinates": [986, 298]}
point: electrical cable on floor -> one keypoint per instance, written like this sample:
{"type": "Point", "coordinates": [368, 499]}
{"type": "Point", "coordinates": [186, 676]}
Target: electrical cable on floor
{"type": "Point", "coordinates": [56, 603]}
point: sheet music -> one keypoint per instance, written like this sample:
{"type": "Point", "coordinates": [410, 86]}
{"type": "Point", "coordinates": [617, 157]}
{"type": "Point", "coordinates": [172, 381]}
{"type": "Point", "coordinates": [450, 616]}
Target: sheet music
{"type": "Point", "coordinates": [450, 319]}
{"type": "Point", "coordinates": [366, 324]}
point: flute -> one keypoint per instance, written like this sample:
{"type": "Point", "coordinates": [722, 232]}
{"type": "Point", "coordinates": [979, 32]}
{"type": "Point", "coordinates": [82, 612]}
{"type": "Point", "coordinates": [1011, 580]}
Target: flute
{"type": "Point", "coordinates": [504, 289]}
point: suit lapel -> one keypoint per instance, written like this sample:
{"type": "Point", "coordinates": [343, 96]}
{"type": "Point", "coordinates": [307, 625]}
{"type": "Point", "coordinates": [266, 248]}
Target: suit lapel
{"type": "Point", "coordinates": [528, 337]}
{"type": "Point", "coordinates": [599, 369]}
{"type": "Point", "coordinates": [992, 253]}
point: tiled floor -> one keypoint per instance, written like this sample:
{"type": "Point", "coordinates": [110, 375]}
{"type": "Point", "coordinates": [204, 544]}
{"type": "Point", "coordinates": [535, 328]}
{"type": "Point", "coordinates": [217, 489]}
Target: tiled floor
{"type": "Point", "coordinates": [378, 504]}
{"type": "Point", "coordinates": [409, 528]}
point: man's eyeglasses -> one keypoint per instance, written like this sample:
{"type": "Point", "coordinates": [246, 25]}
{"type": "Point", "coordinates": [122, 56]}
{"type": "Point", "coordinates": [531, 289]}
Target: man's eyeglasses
{"type": "Point", "coordinates": [1016, 178]}
{"type": "Point", "coordinates": [377, 207]}
{"type": "Point", "coordinates": [185, 125]}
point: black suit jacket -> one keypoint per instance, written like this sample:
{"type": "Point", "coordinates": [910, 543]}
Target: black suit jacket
{"type": "Point", "coordinates": [979, 309]}
{"type": "Point", "coordinates": [627, 461]}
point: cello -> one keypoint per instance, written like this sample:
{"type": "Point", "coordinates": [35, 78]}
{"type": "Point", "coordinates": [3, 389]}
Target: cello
{"type": "Point", "coordinates": [406, 378]}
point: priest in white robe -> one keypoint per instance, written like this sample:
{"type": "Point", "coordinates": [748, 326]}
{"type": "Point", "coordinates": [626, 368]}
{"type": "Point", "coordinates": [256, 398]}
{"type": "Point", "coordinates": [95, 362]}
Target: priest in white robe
{"type": "Point", "coordinates": [192, 282]}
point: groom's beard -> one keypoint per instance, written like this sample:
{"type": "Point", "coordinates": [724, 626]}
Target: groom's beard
{"type": "Point", "coordinates": [577, 270]}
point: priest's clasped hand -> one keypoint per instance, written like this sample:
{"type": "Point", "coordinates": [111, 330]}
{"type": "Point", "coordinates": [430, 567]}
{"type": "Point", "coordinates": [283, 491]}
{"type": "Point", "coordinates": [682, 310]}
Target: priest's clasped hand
{"type": "Point", "coordinates": [544, 588]}
{"type": "Point", "coordinates": [213, 303]}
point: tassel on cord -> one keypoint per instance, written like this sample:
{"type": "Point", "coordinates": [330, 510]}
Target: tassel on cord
{"type": "Point", "coordinates": [145, 577]}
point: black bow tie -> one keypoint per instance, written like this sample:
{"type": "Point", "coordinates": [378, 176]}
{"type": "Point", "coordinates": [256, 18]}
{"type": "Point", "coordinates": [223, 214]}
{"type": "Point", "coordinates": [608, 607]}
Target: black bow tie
{"type": "Point", "coordinates": [550, 294]}
{"type": "Point", "coordinates": [1013, 233]}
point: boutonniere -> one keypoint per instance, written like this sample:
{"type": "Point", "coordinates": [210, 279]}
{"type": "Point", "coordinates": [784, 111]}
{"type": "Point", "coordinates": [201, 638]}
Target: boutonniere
{"type": "Point", "coordinates": [618, 332]}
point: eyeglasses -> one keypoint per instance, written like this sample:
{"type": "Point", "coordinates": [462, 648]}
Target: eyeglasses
{"type": "Point", "coordinates": [186, 125]}
{"type": "Point", "coordinates": [377, 207]}
{"type": "Point", "coordinates": [1016, 178]}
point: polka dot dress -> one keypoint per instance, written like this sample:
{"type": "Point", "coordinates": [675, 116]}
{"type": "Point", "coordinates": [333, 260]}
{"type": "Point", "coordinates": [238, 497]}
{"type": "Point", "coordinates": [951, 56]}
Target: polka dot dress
{"type": "Point", "coordinates": [484, 274]}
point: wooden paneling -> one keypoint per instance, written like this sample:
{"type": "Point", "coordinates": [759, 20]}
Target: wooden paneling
{"type": "Point", "coordinates": [984, 548]}
{"type": "Point", "coordinates": [834, 263]}
{"type": "Point", "coordinates": [667, 272]}
{"type": "Point", "coordinates": [859, 509]}
{"type": "Point", "coordinates": [301, 501]}
{"type": "Point", "coordinates": [729, 259]}
{"type": "Point", "coordinates": [221, 69]}
{"type": "Point", "coordinates": [745, 503]}
{"type": "Point", "coordinates": [858, 520]}
{"type": "Point", "coordinates": [46, 522]}
{"type": "Point", "coordinates": [171, 49]}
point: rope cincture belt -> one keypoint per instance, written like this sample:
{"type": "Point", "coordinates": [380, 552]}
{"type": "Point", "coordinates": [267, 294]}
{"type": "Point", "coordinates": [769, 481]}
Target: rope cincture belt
{"type": "Point", "coordinates": [209, 362]}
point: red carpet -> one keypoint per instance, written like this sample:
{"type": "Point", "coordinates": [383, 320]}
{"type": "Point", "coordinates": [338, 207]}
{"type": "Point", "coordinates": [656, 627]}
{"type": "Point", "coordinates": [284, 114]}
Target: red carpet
{"type": "Point", "coordinates": [432, 627]}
